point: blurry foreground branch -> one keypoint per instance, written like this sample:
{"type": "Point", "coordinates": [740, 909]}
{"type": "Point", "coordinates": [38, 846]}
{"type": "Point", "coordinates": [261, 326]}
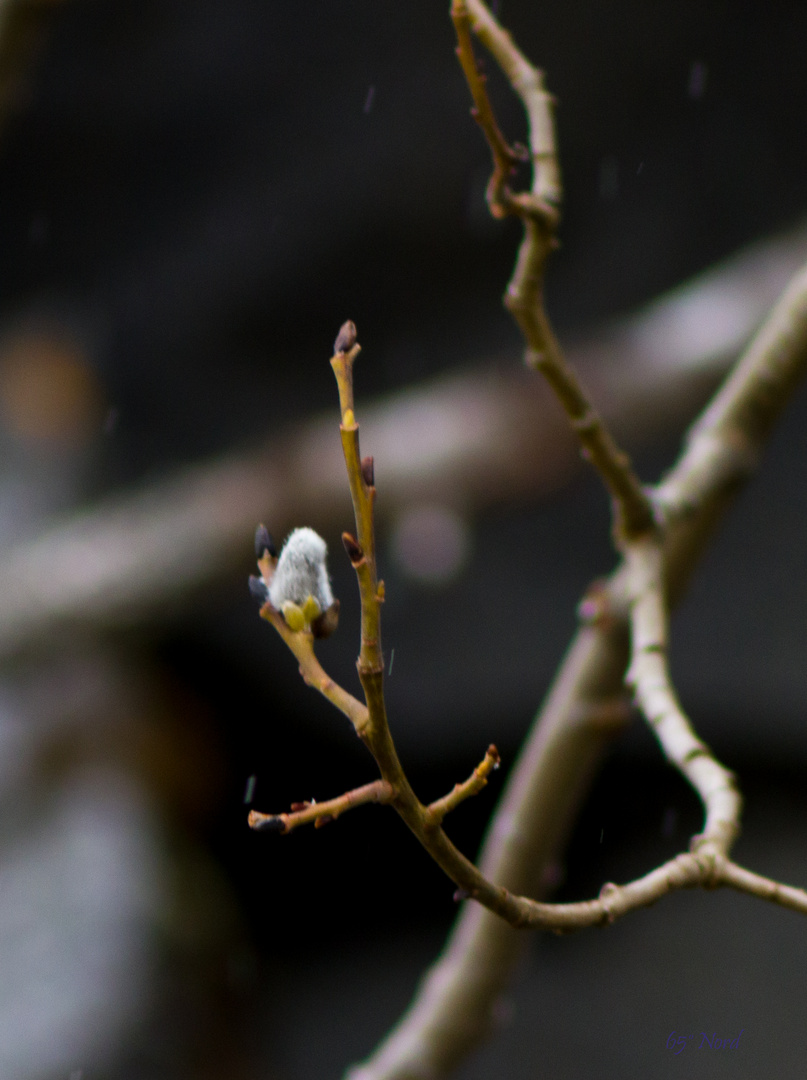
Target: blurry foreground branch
{"type": "Point", "coordinates": [133, 555]}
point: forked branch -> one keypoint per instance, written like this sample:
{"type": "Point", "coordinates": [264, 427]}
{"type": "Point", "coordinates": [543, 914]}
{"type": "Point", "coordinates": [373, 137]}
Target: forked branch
{"type": "Point", "coordinates": [707, 865]}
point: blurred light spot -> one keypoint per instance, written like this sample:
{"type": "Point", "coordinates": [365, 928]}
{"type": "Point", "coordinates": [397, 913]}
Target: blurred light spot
{"type": "Point", "coordinates": [609, 178]}
{"type": "Point", "coordinates": [368, 101]}
{"type": "Point", "coordinates": [431, 544]}
{"type": "Point", "coordinates": [696, 86]}
{"type": "Point", "coordinates": [47, 388]}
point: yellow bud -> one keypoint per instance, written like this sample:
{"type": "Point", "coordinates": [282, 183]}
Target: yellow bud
{"type": "Point", "coordinates": [311, 609]}
{"type": "Point", "coordinates": [348, 420]}
{"type": "Point", "coordinates": [295, 620]}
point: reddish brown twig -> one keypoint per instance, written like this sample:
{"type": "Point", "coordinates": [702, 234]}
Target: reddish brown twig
{"type": "Point", "coordinates": [379, 791]}
{"type": "Point", "coordinates": [505, 158]}
{"type": "Point", "coordinates": [472, 786]}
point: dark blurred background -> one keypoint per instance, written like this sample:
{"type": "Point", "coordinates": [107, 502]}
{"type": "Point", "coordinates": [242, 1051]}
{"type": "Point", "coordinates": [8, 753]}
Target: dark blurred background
{"type": "Point", "coordinates": [193, 197]}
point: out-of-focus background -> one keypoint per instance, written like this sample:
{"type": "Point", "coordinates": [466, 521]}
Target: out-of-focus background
{"type": "Point", "coordinates": [193, 197]}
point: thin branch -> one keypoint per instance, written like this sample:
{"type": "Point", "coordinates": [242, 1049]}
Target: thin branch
{"type": "Point", "coordinates": [505, 158]}
{"type": "Point", "coordinates": [528, 83]}
{"type": "Point", "coordinates": [650, 677]}
{"type": "Point", "coordinates": [362, 492]}
{"type": "Point", "coordinates": [379, 791]}
{"type": "Point", "coordinates": [524, 297]}
{"type": "Point", "coordinates": [301, 643]}
{"type": "Point", "coordinates": [472, 786]}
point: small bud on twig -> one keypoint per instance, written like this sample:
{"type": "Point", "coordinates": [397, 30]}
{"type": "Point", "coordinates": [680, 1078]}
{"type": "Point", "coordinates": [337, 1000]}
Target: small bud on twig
{"type": "Point", "coordinates": [346, 338]}
{"type": "Point", "coordinates": [311, 609]}
{"type": "Point", "coordinates": [326, 623]}
{"type": "Point", "coordinates": [353, 548]}
{"type": "Point", "coordinates": [264, 543]}
{"type": "Point", "coordinates": [293, 614]}
{"type": "Point", "coordinates": [368, 471]}
{"type": "Point", "coordinates": [258, 589]}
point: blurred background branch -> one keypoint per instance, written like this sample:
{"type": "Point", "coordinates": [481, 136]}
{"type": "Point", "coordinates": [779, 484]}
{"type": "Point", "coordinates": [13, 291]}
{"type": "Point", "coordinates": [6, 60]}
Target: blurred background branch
{"type": "Point", "coordinates": [467, 441]}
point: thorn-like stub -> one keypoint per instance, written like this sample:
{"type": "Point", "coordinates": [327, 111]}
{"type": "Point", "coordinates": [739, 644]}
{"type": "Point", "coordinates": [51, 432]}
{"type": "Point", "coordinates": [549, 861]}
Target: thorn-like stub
{"type": "Point", "coordinates": [368, 471]}
{"type": "Point", "coordinates": [346, 338]}
{"type": "Point", "coordinates": [258, 589]}
{"type": "Point", "coordinates": [264, 543]}
{"type": "Point", "coordinates": [354, 550]}
{"type": "Point", "coordinates": [494, 753]}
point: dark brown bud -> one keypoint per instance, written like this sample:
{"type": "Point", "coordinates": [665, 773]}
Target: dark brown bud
{"type": "Point", "coordinates": [267, 824]}
{"type": "Point", "coordinates": [325, 624]}
{"type": "Point", "coordinates": [258, 590]}
{"type": "Point", "coordinates": [368, 471]}
{"type": "Point", "coordinates": [264, 542]}
{"type": "Point", "coordinates": [346, 338]}
{"type": "Point", "coordinates": [494, 753]}
{"type": "Point", "coordinates": [353, 548]}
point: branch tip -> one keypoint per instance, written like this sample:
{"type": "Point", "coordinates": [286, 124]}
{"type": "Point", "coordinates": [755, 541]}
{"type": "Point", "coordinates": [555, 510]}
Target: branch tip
{"type": "Point", "coordinates": [346, 338]}
{"type": "Point", "coordinates": [264, 544]}
{"type": "Point", "coordinates": [266, 822]}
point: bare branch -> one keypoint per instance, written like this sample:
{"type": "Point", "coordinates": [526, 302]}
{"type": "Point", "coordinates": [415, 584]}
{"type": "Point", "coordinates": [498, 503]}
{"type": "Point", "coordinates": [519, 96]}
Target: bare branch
{"type": "Point", "coordinates": [301, 643]}
{"type": "Point", "coordinates": [649, 675]}
{"type": "Point", "coordinates": [379, 791]}
{"type": "Point", "coordinates": [472, 786]}
{"type": "Point", "coordinates": [525, 293]}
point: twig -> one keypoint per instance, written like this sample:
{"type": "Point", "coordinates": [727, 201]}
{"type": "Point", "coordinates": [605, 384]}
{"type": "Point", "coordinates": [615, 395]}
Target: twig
{"type": "Point", "coordinates": [649, 675]}
{"type": "Point", "coordinates": [301, 643]}
{"type": "Point", "coordinates": [505, 158]}
{"type": "Point", "coordinates": [379, 791]}
{"type": "Point", "coordinates": [472, 786]}
{"type": "Point", "coordinates": [524, 297]}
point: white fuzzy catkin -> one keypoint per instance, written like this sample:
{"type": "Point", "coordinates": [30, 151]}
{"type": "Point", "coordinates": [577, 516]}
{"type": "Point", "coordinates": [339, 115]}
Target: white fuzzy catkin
{"type": "Point", "coordinates": [301, 571]}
